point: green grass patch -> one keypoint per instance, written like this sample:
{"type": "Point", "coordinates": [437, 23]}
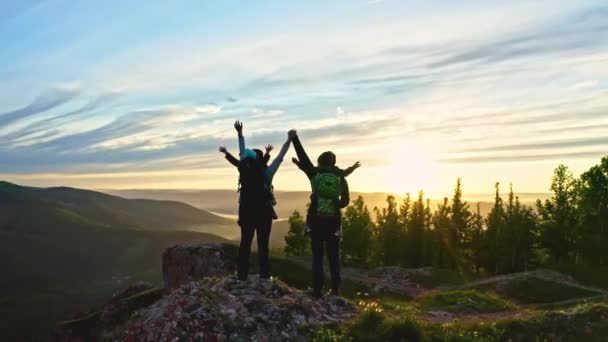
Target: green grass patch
{"type": "Point", "coordinates": [464, 301]}
{"type": "Point", "coordinates": [375, 326]}
{"type": "Point", "coordinates": [580, 323]}
{"type": "Point", "coordinates": [531, 290]}
{"type": "Point", "coordinates": [439, 277]}
{"type": "Point", "coordinates": [596, 276]}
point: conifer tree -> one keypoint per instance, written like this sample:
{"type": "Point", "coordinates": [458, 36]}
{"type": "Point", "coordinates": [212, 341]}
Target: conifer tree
{"type": "Point", "coordinates": [356, 233]}
{"type": "Point", "coordinates": [296, 241]}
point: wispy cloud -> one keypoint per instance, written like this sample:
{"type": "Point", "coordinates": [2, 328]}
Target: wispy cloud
{"type": "Point", "coordinates": [366, 81]}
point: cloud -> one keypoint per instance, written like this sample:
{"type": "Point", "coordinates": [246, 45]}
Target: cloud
{"type": "Point", "coordinates": [39, 105]}
{"type": "Point", "coordinates": [583, 30]}
{"type": "Point", "coordinates": [543, 145]}
{"type": "Point", "coordinates": [523, 158]}
{"type": "Point", "coordinates": [259, 113]}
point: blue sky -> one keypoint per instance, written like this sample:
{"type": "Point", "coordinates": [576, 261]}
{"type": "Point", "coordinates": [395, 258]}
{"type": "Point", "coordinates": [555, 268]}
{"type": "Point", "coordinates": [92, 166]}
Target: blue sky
{"type": "Point", "coordinates": [140, 94]}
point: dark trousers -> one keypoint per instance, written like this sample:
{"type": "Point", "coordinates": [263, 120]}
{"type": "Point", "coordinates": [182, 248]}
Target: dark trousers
{"type": "Point", "coordinates": [261, 228]}
{"type": "Point", "coordinates": [324, 239]}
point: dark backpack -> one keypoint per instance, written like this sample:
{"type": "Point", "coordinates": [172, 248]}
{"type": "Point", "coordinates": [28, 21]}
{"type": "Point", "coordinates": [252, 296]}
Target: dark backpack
{"type": "Point", "coordinates": [327, 188]}
{"type": "Point", "coordinates": [252, 183]}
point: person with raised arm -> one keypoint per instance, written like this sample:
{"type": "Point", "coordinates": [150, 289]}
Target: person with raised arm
{"type": "Point", "coordinates": [256, 201]}
{"type": "Point", "coordinates": [330, 194]}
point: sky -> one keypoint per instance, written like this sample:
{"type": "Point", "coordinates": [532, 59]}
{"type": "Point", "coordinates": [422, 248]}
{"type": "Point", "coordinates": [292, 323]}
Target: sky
{"type": "Point", "coordinates": [140, 94]}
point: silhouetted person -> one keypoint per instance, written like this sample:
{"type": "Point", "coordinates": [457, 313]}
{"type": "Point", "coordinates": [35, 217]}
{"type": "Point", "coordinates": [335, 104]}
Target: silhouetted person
{"type": "Point", "coordinates": [330, 194]}
{"type": "Point", "coordinates": [255, 203]}
{"type": "Point", "coordinates": [234, 161]}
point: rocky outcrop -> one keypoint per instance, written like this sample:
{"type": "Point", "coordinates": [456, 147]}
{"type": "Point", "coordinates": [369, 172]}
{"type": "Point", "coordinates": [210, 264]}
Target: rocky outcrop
{"type": "Point", "coordinates": [91, 325]}
{"type": "Point", "coordinates": [224, 309]}
{"type": "Point", "coordinates": [202, 301]}
{"type": "Point", "coordinates": [183, 264]}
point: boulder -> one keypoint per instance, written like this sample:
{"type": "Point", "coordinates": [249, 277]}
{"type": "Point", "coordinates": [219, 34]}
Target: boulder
{"type": "Point", "coordinates": [90, 325]}
{"type": "Point", "coordinates": [183, 264]}
{"type": "Point", "coordinates": [225, 309]}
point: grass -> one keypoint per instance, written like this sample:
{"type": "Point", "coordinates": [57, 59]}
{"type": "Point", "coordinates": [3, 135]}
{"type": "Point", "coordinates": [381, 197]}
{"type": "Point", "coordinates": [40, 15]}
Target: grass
{"type": "Point", "coordinates": [438, 277]}
{"type": "Point", "coordinates": [580, 323]}
{"type": "Point", "coordinates": [532, 290]}
{"type": "Point", "coordinates": [596, 276]}
{"type": "Point", "coordinates": [464, 301]}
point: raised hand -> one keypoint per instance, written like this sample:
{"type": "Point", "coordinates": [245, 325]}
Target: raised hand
{"type": "Point", "coordinates": [238, 126]}
{"type": "Point", "coordinates": [292, 134]}
{"type": "Point", "coordinates": [356, 165]}
{"type": "Point", "coordinates": [269, 148]}
{"type": "Point", "coordinates": [223, 149]}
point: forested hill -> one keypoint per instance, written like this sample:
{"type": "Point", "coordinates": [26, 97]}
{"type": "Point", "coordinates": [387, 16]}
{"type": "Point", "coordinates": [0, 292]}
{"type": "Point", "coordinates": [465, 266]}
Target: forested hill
{"type": "Point", "coordinates": [18, 204]}
{"type": "Point", "coordinates": [64, 249]}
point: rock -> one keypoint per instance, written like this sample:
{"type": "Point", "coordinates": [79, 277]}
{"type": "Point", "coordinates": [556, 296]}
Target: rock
{"type": "Point", "coordinates": [89, 326]}
{"type": "Point", "coordinates": [182, 264]}
{"type": "Point", "coordinates": [258, 310]}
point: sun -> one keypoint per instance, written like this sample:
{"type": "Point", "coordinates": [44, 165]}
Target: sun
{"type": "Point", "coordinates": [412, 166]}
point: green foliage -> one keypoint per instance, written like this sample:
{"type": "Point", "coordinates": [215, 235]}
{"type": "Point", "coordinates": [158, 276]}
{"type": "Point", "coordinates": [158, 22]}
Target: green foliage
{"type": "Point", "coordinates": [440, 235]}
{"type": "Point", "coordinates": [329, 335]}
{"type": "Point", "coordinates": [375, 326]}
{"type": "Point", "coordinates": [357, 227]}
{"type": "Point", "coordinates": [297, 243]}
{"type": "Point", "coordinates": [418, 246]}
{"type": "Point", "coordinates": [464, 301]}
{"type": "Point", "coordinates": [458, 230]}
{"type": "Point", "coordinates": [593, 275]}
{"type": "Point", "coordinates": [558, 218]}
{"type": "Point", "coordinates": [532, 290]}
{"type": "Point", "coordinates": [593, 210]}
{"type": "Point", "coordinates": [389, 234]}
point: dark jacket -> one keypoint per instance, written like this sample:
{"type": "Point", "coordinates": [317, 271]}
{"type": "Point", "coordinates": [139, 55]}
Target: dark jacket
{"type": "Point", "coordinates": [311, 171]}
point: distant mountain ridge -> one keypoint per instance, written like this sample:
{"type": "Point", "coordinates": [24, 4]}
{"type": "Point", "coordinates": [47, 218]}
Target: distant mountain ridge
{"type": "Point", "coordinates": [226, 201]}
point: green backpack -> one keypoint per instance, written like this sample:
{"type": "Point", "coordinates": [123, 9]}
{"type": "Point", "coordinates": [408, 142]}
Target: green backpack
{"type": "Point", "coordinates": [327, 187]}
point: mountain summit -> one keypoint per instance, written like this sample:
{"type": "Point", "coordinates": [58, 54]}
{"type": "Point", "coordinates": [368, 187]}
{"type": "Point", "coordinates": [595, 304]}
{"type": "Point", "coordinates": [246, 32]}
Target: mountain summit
{"type": "Point", "coordinates": [210, 305]}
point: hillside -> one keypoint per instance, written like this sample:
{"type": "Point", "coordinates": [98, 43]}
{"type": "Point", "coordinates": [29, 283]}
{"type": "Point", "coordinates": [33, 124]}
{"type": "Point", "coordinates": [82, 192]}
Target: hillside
{"type": "Point", "coordinates": [64, 249]}
{"type": "Point", "coordinates": [62, 204]}
{"type": "Point", "coordinates": [204, 303]}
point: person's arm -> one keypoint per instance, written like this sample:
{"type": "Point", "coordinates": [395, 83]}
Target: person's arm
{"type": "Point", "coordinates": [239, 129]}
{"type": "Point", "coordinates": [229, 156]}
{"type": "Point", "coordinates": [345, 196]}
{"type": "Point", "coordinates": [298, 164]}
{"type": "Point", "coordinates": [305, 163]}
{"type": "Point", "coordinates": [267, 153]}
{"type": "Point", "coordinates": [232, 159]}
{"type": "Point", "coordinates": [274, 166]}
{"type": "Point", "coordinates": [351, 169]}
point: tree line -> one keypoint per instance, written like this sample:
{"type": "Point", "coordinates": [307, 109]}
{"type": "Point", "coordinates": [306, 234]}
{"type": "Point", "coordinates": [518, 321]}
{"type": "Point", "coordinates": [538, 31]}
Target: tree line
{"type": "Point", "coordinates": [570, 227]}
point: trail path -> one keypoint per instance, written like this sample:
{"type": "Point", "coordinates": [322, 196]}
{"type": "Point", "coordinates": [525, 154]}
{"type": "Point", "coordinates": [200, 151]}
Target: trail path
{"type": "Point", "coordinates": [397, 281]}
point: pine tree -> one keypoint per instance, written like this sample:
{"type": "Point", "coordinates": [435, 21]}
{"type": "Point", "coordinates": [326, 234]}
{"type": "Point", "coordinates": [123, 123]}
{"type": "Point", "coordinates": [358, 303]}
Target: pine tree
{"type": "Point", "coordinates": [460, 217]}
{"type": "Point", "coordinates": [495, 224]}
{"type": "Point", "coordinates": [441, 224]}
{"type": "Point", "coordinates": [416, 234]}
{"type": "Point", "coordinates": [389, 233]}
{"type": "Point", "coordinates": [593, 211]}
{"type": "Point", "coordinates": [519, 234]}
{"type": "Point", "coordinates": [296, 241]}
{"type": "Point", "coordinates": [558, 217]}
{"type": "Point", "coordinates": [357, 233]}
{"type": "Point", "coordinates": [475, 241]}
